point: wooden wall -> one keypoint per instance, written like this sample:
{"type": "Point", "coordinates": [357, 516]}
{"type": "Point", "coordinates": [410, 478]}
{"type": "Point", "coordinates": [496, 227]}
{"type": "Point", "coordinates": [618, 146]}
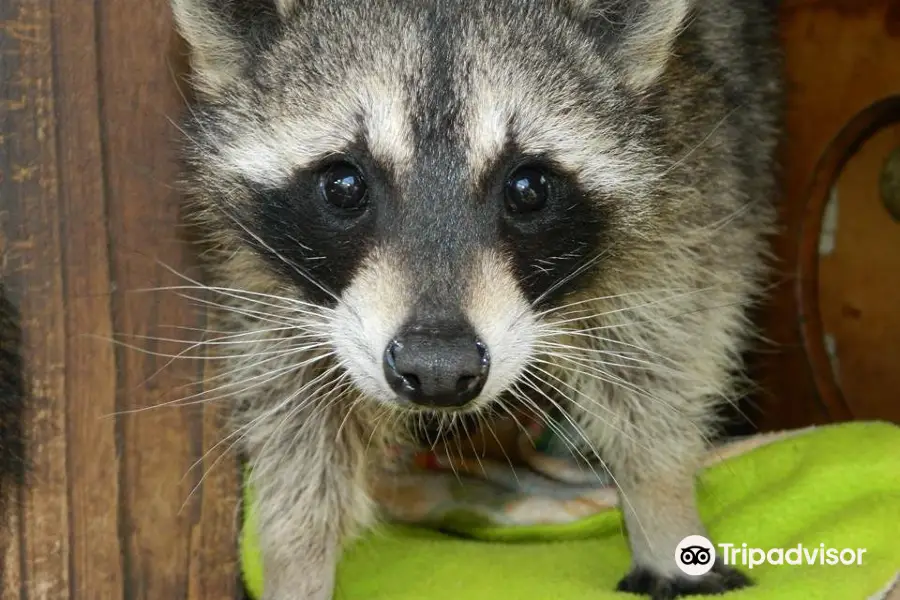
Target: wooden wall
{"type": "Point", "coordinates": [86, 96]}
{"type": "Point", "coordinates": [87, 213]}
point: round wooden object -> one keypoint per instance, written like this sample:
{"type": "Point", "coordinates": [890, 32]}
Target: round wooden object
{"type": "Point", "coordinates": [848, 284]}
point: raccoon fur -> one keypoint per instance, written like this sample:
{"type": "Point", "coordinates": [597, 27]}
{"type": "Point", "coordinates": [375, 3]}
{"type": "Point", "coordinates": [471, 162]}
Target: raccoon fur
{"type": "Point", "coordinates": [446, 207]}
{"type": "Point", "coordinates": [12, 406]}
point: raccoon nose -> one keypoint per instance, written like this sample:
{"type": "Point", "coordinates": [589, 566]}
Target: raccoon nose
{"type": "Point", "coordinates": [436, 368]}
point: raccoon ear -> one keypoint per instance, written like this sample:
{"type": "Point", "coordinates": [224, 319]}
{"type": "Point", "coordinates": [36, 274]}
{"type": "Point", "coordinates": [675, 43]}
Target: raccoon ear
{"type": "Point", "coordinates": [642, 32]}
{"type": "Point", "coordinates": [223, 33]}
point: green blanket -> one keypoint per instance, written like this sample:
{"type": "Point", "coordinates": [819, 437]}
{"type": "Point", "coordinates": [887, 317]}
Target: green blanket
{"type": "Point", "coordinates": [836, 486]}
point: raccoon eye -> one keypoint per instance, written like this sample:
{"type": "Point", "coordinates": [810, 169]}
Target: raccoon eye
{"type": "Point", "coordinates": [342, 185]}
{"type": "Point", "coordinates": [527, 190]}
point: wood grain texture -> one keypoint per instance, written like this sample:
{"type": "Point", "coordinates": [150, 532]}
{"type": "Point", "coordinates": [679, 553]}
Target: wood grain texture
{"type": "Point", "coordinates": [89, 217]}
{"type": "Point", "coordinates": [837, 62]}
{"type": "Point", "coordinates": [858, 292]}
{"type": "Point", "coordinates": [91, 369]}
{"type": "Point", "coordinates": [31, 195]}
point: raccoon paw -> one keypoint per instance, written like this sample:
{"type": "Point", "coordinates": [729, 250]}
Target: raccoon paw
{"type": "Point", "coordinates": [719, 580]}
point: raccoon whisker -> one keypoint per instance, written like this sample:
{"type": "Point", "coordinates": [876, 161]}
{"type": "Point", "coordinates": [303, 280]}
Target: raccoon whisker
{"type": "Point", "coordinates": [353, 405]}
{"type": "Point", "coordinates": [541, 416]}
{"type": "Point", "coordinates": [244, 312]}
{"type": "Point", "coordinates": [300, 406]}
{"type": "Point", "coordinates": [245, 296]}
{"type": "Point", "coordinates": [343, 387]}
{"type": "Point", "coordinates": [699, 144]}
{"type": "Point", "coordinates": [233, 291]}
{"type": "Point", "coordinates": [223, 335]}
{"type": "Point", "coordinates": [555, 427]}
{"type": "Point", "coordinates": [318, 393]}
{"type": "Point", "coordinates": [612, 380]}
{"type": "Point", "coordinates": [474, 450]}
{"type": "Point", "coordinates": [270, 317]}
{"type": "Point", "coordinates": [513, 416]}
{"type": "Point", "coordinates": [243, 431]}
{"type": "Point", "coordinates": [167, 364]}
{"type": "Point", "coordinates": [596, 454]}
{"type": "Point", "coordinates": [280, 256]}
{"type": "Point", "coordinates": [592, 363]}
{"type": "Point", "coordinates": [586, 357]}
{"type": "Point", "coordinates": [484, 423]}
{"type": "Point", "coordinates": [583, 301]}
{"type": "Point", "coordinates": [210, 358]}
{"type": "Point", "coordinates": [226, 332]}
{"type": "Point", "coordinates": [232, 372]}
{"type": "Point", "coordinates": [665, 318]}
{"type": "Point", "coordinates": [602, 340]}
{"type": "Point", "coordinates": [588, 352]}
{"type": "Point", "coordinates": [459, 429]}
{"type": "Point", "coordinates": [180, 129]}
{"type": "Point", "coordinates": [606, 342]}
{"type": "Point", "coordinates": [256, 365]}
{"type": "Point", "coordinates": [616, 381]}
{"type": "Point", "coordinates": [592, 401]}
{"type": "Point", "coordinates": [199, 397]}
{"type": "Point", "coordinates": [634, 308]}
{"type": "Point", "coordinates": [203, 396]}
{"type": "Point", "coordinates": [224, 341]}
{"type": "Point", "coordinates": [713, 228]}
{"type": "Point", "coordinates": [454, 435]}
{"type": "Point", "coordinates": [184, 99]}
{"type": "Point", "coordinates": [381, 415]}
{"type": "Point", "coordinates": [441, 420]}
{"type": "Point", "coordinates": [251, 296]}
{"type": "Point", "coordinates": [572, 275]}
{"type": "Point", "coordinates": [580, 368]}
{"type": "Point", "coordinates": [240, 432]}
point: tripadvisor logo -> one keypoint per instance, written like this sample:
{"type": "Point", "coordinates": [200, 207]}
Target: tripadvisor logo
{"type": "Point", "coordinates": [796, 555]}
{"type": "Point", "coordinates": [696, 555]}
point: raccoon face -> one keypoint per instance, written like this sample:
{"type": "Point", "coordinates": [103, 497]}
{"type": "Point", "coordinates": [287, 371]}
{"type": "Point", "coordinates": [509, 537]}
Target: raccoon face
{"type": "Point", "coordinates": [437, 175]}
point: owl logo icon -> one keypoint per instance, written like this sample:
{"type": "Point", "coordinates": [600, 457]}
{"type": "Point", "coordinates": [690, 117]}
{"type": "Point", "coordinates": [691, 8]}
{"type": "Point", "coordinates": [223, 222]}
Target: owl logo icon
{"type": "Point", "coordinates": [695, 555]}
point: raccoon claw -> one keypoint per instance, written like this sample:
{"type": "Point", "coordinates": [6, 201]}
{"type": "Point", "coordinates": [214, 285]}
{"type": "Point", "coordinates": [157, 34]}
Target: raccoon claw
{"type": "Point", "coordinates": [719, 580]}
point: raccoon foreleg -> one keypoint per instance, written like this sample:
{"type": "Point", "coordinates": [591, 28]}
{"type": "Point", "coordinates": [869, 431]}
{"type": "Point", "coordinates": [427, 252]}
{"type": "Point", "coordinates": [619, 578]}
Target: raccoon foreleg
{"type": "Point", "coordinates": [310, 496]}
{"type": "Point", "coordinates": [655, 468]}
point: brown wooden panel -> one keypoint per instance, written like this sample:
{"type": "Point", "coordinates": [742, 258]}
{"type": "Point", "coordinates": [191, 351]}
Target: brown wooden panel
{"type": "Point", "coordinates": [30, 194]}
{"type": "Point", "coordinates": [91, 370]}
{"type": "Point", "coordinates": [159, 445]}
{"type": "Point", "coordinates": [86, 211]}
{"type": "Point", "coordinates": [858, 291]}
{"type": "Point", "coordinates": [836, 59]}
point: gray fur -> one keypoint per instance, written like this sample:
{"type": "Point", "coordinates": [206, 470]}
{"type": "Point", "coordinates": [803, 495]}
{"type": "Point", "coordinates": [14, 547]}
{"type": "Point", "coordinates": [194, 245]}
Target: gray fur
{"type": "Point", "coordinates": [667, 113]}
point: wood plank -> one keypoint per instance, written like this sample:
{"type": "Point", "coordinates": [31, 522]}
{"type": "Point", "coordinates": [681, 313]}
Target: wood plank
{"type": "Point", "coordinates": [30, 194]}
{"type": "Point", "coordinates": [162, 525]}
{"type": "Point", "coordinates": [10, 535]}
{"type": "Point", "coordinates": [91, 374]}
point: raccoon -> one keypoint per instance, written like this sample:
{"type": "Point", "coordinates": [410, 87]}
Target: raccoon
{"type": "Point", "coordinates": [446, 207]}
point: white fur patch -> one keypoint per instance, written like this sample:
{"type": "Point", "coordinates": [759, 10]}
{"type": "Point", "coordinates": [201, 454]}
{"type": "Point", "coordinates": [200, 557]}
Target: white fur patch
{"type": "Point", "coordinates": [503, 320]}
{"type": "Point", "coordinates": [371, 311]}
{"type": "Point", "coordinates": [270, 151]}
{"type": "Point", "coordinates": [579, 143]}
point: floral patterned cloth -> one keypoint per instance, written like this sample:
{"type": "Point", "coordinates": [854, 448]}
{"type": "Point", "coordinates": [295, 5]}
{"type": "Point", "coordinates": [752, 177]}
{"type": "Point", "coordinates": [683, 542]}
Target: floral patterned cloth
{"type": "Point", "coordinates": [514, 475]}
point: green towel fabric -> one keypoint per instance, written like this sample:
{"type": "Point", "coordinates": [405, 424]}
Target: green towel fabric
{"type": "Point", "coordinates": [837, 485]}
